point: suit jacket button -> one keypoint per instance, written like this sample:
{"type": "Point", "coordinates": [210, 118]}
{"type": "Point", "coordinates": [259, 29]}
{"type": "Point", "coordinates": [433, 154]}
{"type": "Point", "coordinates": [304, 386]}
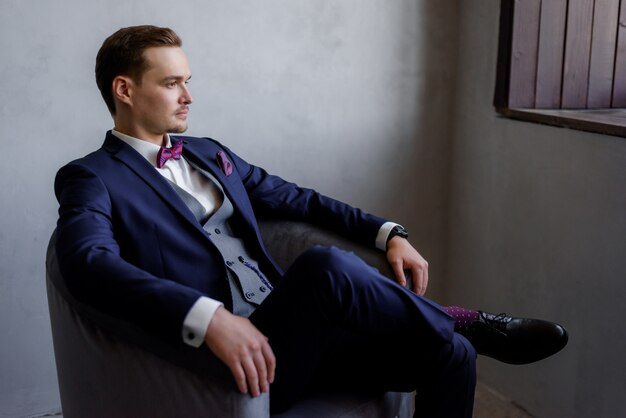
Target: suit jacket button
{"type": "Point", "coordinates": [229, 263]}
{"type": "Point", "coordinates": [217, 231]}
{"type": "Point", "coordinates": [262, 289]}
{"type": "Point", "coordinates": [249, 295]}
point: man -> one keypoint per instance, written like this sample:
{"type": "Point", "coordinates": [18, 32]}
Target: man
{"type": "Point", "coordinates": [161, 231]}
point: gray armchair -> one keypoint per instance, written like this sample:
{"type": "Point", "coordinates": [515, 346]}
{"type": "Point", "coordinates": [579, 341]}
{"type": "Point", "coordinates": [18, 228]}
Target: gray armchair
{"type": "Point", "coordinates": [107, 368]}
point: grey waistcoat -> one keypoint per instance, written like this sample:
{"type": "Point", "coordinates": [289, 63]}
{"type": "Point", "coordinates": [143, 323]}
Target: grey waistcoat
{"type": "Point", "coordinates": [248, 285]}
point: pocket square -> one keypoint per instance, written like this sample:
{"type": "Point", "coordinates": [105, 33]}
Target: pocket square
{"type": "Point", "coordinates": [224, 163]}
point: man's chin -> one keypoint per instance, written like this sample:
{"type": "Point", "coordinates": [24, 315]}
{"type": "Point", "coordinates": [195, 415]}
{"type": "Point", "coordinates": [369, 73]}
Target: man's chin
{"type": "Point", "coordinates": [178, 129]}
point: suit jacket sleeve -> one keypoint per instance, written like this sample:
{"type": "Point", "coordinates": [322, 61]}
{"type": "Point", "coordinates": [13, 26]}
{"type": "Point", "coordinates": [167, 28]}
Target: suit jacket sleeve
{"type": "Point", "coordinates": [93, 269]}
{"type": "Point", "coordinates": [272, 196]}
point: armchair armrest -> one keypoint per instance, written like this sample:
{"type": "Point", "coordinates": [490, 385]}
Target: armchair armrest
{"type": "Point", "coordinates": [285, 240]}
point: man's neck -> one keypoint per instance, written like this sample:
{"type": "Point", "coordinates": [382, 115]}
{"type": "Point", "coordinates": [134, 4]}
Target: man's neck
{"type": "Point", "coordinates": [155, 138]}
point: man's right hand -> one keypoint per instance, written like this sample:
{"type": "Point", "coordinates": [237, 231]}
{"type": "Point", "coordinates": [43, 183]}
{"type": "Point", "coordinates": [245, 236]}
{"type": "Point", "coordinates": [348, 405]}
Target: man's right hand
{"type": "Point", "coordinates": [242, 347]}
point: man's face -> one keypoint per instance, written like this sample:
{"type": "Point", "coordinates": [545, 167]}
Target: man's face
{"type": "Point", "coordinates": [161, 101]}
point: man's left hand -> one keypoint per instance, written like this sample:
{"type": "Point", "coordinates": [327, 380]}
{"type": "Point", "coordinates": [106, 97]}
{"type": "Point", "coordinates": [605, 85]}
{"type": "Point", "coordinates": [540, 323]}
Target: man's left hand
{"type": "Point", "coordinates": [402, 256]}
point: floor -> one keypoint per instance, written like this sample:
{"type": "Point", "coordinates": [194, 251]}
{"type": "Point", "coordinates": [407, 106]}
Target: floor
{"type": "Point", "coordinates": [488, 404]}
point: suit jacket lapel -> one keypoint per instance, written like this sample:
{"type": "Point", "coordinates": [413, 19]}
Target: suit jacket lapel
{"type": "Point", "coordinates": [138, 164]}
{"type": "Point", "coordinates": [203, 154]}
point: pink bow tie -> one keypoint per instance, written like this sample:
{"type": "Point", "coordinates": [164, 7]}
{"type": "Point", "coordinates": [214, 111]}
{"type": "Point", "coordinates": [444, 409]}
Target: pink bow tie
{"type": "Point", "coordinates": [166, 153]}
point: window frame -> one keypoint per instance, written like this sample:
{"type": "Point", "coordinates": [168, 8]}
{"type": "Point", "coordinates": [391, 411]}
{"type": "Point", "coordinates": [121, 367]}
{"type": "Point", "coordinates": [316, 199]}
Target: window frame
{"type": "Point", "coordinates": [533, 86]}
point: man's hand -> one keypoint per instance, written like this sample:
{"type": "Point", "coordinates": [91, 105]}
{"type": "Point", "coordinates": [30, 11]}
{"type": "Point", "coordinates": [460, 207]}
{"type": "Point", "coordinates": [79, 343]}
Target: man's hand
{"type": "Point", "coordinates": [402, 256]}
{"type": "Point", "coordinates": [242, 347]}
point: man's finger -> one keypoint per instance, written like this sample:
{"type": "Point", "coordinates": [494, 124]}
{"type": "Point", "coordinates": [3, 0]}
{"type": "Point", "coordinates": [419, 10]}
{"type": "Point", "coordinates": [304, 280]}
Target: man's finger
{"type": "Point", "coordinates": [422, 280]}
{"type": "Point", "coordinates": [240, 377]}
{"type": "Point", "coordinates": [398, 271]}
{"type": "Point", "coordinates": [417, 279]}
{"type": "Point", "coordinates": [251, 376]}
{"type": "Point", "coordinates": [270, 361]}
{"type": "Point", "coordinates": [418, 283]}
{"type": "Point", "coordinates": [261, 368]}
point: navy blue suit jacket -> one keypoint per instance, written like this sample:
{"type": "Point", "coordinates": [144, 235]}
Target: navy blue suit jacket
{"type": "Point", "coordinates": [129, 246]}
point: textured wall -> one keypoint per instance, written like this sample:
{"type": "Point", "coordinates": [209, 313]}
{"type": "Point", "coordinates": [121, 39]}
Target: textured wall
{"type": "Point", "coordinates": [538, 227]}
{"type": "Point", "coordinates": [349, 97]}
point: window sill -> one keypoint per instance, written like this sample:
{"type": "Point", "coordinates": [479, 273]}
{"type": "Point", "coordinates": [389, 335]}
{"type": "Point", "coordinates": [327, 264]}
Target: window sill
{"type": "Point", "coordinates": [602, 121]}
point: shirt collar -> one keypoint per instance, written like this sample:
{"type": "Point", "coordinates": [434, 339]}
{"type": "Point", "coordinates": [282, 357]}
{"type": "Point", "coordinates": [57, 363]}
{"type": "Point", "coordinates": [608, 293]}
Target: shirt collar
{"type": "Point", "coordinates": [148, 150]}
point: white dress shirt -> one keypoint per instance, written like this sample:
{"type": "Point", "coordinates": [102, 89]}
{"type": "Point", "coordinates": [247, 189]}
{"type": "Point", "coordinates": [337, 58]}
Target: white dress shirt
{"type": "Point", "coordinates": [210, 196]}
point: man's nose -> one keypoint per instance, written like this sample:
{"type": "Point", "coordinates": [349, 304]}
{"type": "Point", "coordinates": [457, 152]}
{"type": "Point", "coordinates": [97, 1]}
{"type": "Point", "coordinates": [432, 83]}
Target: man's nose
{"type": "Point", "coordinates": [186, 96]}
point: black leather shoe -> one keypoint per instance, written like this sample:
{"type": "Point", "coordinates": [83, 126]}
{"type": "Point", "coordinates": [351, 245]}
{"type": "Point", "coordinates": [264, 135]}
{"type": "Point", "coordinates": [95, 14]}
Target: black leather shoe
{"type": "Point", "coordinates": [515, 340]}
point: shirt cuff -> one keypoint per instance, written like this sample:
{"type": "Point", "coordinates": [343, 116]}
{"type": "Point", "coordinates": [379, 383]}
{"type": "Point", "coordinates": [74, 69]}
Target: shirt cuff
{"type": "Point", "coordinates": [383, 235]}
{"type": "Point", "coordinates": [198, 319]}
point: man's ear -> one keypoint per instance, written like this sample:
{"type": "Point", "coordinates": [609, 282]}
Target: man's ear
{"type": "Point", "coordinates": [123, 89]}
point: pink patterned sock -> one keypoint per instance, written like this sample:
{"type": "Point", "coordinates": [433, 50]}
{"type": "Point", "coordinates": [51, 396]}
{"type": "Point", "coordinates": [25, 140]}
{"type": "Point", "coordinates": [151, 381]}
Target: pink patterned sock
{"type": "Point", "coordinates": [463, 318]}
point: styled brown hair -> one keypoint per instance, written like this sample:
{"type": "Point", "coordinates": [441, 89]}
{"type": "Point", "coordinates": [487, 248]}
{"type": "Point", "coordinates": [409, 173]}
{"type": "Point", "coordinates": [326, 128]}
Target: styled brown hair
{"type": "Point", "coordinates": [122, 54]}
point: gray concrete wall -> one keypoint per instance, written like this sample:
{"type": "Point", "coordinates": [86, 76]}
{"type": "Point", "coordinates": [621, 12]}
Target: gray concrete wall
{"type": "Point", "coordinates": [350, 97]}
{"type": "Point", "coordinates": [538, 227]}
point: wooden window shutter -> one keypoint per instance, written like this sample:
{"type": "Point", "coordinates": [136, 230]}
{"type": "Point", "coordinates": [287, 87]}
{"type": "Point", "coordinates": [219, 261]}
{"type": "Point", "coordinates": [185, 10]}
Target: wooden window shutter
{"type": "Point", "coordinates": [561, 54]}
